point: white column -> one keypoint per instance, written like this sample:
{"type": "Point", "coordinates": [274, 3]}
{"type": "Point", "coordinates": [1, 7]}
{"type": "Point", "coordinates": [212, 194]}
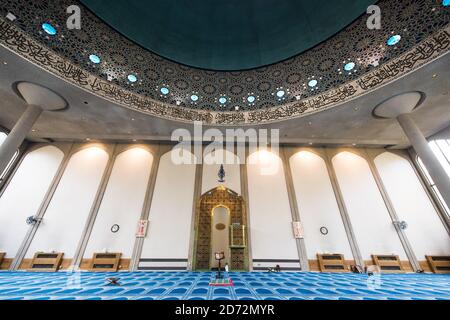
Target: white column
{"type": "Point", "coordinates": [432, 164]}
{"type": "Point", "coordinates": [18, 134]}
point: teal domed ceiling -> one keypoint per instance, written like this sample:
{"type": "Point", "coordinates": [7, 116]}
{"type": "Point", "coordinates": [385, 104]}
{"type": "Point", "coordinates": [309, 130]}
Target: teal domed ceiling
{"type": "Point", "coordinates": [228, 34]}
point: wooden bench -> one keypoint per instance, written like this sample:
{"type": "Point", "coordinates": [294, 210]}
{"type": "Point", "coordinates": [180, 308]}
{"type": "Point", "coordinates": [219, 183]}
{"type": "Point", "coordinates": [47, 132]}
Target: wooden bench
{"type": "Point", "coordinates": [439, 264]}
{"type": "Point", "coordinates": [2, 256]}
{"type": "Point", "coordinates": [105, 262]}
{"type": "Point", "coordinates": [43, 261]}
{"type": "Point", "coordinates": [388, 263]}
{"type": "Point", "coordinates": [332, 263]}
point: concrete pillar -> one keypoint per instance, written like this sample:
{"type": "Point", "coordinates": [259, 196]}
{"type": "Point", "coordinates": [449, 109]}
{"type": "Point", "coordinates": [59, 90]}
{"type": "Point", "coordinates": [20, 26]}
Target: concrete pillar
{"type": "Point", "coordinates": [429, 159]}
{"type": "Point", "coordinates": [18, 134]}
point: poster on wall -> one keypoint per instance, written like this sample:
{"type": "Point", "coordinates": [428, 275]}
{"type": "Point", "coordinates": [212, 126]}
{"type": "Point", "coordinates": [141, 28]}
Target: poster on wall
{"type": "Point", "coordinates": [298, 229]}
{"type": "Point", "coordinates": [142, 228]}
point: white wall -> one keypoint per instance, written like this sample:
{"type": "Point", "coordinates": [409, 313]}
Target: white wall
{"type": "Point", "coordinates": [171, 211]}
{"type": "Point", "coordinates": [270, 215]}
{"type": "Point", "coordinates": [66, 215]}
{"type": "Point", "coordinates": [370, 219]}
{"type": "Point", "coordinates": [317, 206]}
{"type": "Point", "coordinates": [425, 230]}
{"type": "Point", "coordinates": [122, 204]}
{"type": "Point", "coordinates": [25, 194]}
{"type": "Point", "coordinates": [232, 171]}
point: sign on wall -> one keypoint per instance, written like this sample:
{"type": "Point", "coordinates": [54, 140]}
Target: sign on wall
{"type": "Point", "coordinates": [142, 228]}
{"type": "Point", "coordinates": [297, 229]}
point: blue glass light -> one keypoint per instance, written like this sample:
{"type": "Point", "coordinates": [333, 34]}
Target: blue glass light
{"type": "Point", "coordinates": [280, 93]}
{"type": "Point", "coordinates": [49, 29]}
{"type": "Point", "coordinates": [349, 66]}
{"type": "Point", "coordinates": [132, 78]}
{"type": "Point", "coordinates": [392, 41]}
{"type": "Point", "coordinates": [164, 90]}
{"type": "Point", "coordinates": [251, 99]}
{"type": "Point", "coordinates": [446, 3]}
{"type": "Point", "coordinates": [312, 83]}
{"type": "Point", "coordinates": [194, 97]}
{"type": "Point", "coordinates": [222, 100]}
{"type": "Point", "coordinates": [94, 58]}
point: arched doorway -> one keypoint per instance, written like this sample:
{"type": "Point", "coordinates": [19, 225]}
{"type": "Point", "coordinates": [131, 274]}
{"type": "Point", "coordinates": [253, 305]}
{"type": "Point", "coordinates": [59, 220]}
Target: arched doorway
{"type": "Point", "coordinates": [220, 224]}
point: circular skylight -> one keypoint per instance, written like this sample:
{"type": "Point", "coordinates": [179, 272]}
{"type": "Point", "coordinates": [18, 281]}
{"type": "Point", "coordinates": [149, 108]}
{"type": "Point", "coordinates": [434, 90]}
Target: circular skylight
{"type": "Point", "coordinates": [194, 97]}
{"type": "Point", "coordinates": [392, 41]}
{"type": "Point", "coordinates": [251, 99]}
{"type": "Point", "coordinates": [222, 100]}
{"type": "Point", "coordinates": [312, 83]}
{"type": "Point", "coordinates": [164, 90]}
{"type": "Point", "coordinates": [349, 66]}
{"type": "Point", "coordinates": [281, 93]}
{"type": "Point", "coordinates": [132, 78]}
{"type": "Point", "coordinates": [94, 58]}
{"type": "Point", "coordinates": [49, 29]}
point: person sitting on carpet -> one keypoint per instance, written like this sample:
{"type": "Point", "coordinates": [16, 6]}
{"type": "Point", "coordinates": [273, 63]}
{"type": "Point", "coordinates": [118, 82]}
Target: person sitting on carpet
{"type": "Point", "coordinates": [276, 269]}
{"type": "Point", "coordinates": [113, 281]}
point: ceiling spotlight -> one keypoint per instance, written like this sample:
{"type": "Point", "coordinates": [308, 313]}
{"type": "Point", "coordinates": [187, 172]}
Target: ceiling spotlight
{"type": "Point", "coordinates": [49, 29]}
{"type": "Point", "coordinates": [222, 100]}
{"type": "Point", "coordinates": [392, 41]}
{"type": "Point", "coordinates": [95, 59]}
{"type": "Point", "coordinates": [280, 93]}
{"type": "Point", "coordinates": [312, 83]}
{"type": "Point", "coordinates": [236, 108]}
{"type": "Point", "coordinates": [349, 66]}
{"type": "Point", "coordinates": [132, 78]}
{"type": "Point", "coordinates": [164, 90]}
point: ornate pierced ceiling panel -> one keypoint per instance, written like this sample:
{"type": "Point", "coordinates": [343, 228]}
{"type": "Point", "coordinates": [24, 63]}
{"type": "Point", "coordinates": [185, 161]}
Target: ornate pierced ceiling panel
{"type": "Point", "coordinates": [102, 61]}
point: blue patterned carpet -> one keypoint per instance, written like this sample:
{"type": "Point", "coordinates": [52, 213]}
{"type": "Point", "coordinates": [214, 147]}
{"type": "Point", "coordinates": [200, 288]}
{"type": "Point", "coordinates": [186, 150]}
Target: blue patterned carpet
{"type": "Point", "coordinates": [247, 286]}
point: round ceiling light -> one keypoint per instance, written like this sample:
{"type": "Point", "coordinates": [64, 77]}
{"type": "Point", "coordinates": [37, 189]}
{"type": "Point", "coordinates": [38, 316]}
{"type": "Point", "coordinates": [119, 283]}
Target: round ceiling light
{"type": "Point", "coordinates": [222, 100]}
{"type": "Point", "coordinates": [349, 66]}
{"type": "Point", "coordinates": [251, 99]}
{"type": "Point", "coordinates": [281, 93]}
{"type": "Point", "coordinates": [132, 78]}
{"type": "Point", "coordinates": [49, 29]}
{"type": "Point", "coordinates": [194, 97]}
{"type": "Point", "coordinates": [446, 3]}
{"type": "Point", "coordinates": [94, 58]}
{"type": "Point", "coordinates": [392, 41]}
{"type": "Point", "coordinates": [312, 83]}
{"type": "Point", "coordinates": [164, 90]}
